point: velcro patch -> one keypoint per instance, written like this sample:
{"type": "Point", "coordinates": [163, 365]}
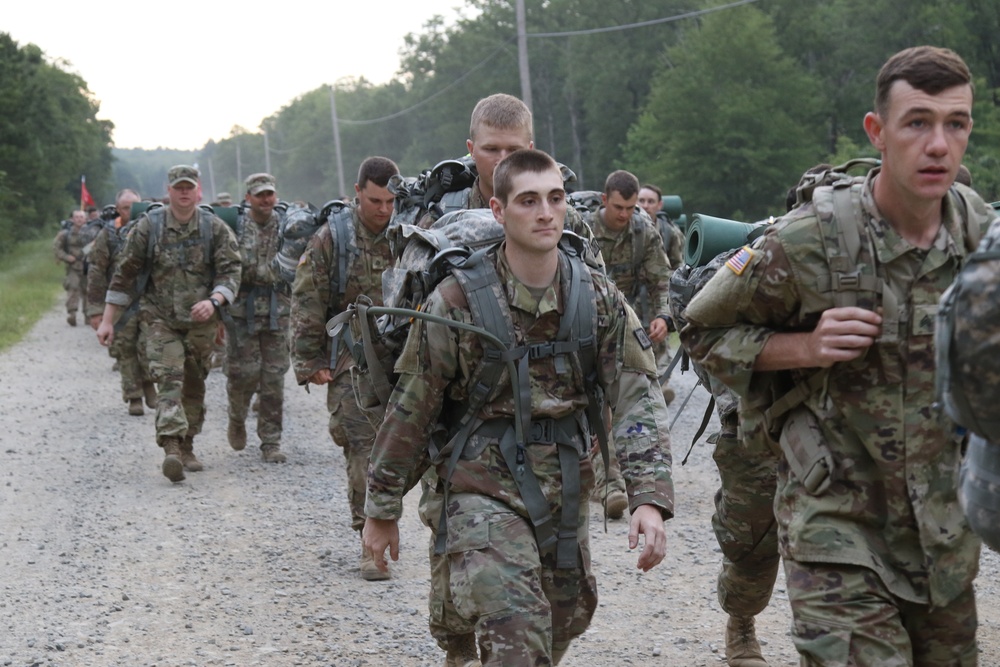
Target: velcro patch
{"type": "Point", "coordinates": [640, 335]}
{"type": "Point", "coordinates": [738, 262]}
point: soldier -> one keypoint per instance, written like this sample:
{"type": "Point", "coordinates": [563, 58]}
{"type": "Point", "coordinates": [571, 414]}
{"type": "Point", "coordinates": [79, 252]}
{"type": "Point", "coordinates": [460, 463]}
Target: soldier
{"type": "Point", "coordinates": [185, 264]}
{"type": "Point", "coordinates": [127, 347]}
{"type": "Point", "coordinates": [317, 359]}
{"type": "Point", "coordinates": [224, 199]}
{"type": "Point", "coordinates": [878, 557]}
{"type": "Point", "coordinates": [257, 339]}
{"type": "Point", "coordinates": [632, 248]}
{"type": "Point", "coordinates": [68, 248]}
{"type": "Point", "coordinates": [526, 601]}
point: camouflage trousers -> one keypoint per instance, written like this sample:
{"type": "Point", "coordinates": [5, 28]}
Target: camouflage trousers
{"type": "Point", "coordinates": [352, 431]}
{"type": "Point", "coordinates": [75, 284]}
{"type": "Point", "coordinates": [178, 363]}
{"type": "Point", "coordinates": [129, 349]}
{"type": "Point", "coordinates": [844, 615]}
{"type": "Point", "coordinates": [744, 522]}
{"type": "Point", "coordinates": [526, 611]}
{"type": "Point", "coordinates": [257, 363]}
{"type": "Point", "coordinates": [444, 620]}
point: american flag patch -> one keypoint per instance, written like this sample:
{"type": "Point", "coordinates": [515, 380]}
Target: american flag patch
{"type": "Point", "coordinates": [738, 262]}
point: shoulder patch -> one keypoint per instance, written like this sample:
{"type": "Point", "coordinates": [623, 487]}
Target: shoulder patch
{"type": "Point", "coordinates": [738, 262]}
{"type": "Point", "coordinates": [640, 335]}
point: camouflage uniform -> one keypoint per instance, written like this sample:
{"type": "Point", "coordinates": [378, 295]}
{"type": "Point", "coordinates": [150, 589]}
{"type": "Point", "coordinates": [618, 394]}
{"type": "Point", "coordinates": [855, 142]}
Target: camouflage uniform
{"type": "Point", "coordinates": [879, 559]}
{"type": "Point", "coordinates": [257, 340]}
{"type": "Point", "coordinates": [631, 274]}
{"type": "Point", "coordinates": [673, 243]}
{"type": "Point", "coordinates": [128, 347]}
{"type": "Point", "coordinates": [177, 347]}
{"type": "Point", "coordinates": [526, 610]}
{"type": "Point", "coordinates": [69, 243]}
{"type": "Point", "coordinates": [312, 305]}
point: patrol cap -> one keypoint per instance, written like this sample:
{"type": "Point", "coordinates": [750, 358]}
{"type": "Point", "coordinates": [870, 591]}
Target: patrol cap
{"type": "Point", "coordinates": [225, 198]}
{"type": "Point", "coordinates": [182, 173]}
{"type": "Point", "coordinates": [257, 183]}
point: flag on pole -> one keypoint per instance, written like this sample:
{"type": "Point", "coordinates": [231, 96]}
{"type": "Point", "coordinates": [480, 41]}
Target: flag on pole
{"type": "Point", "coordinates": [85, 198]}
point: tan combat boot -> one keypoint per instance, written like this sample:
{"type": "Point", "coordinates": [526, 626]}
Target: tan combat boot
{"type": "Point", "coordinates": [237, 433]}
{"type": "Point", "coordinates": [188, 458]}
{"type": "Point", "coordinates": [149, 391]}
{"type": "Point", "coordinates": [272, 454]}
{"type": "Point", "coordinates": [462, 651]}
{"type": "Point", "coordinates": [135, 407]}
{"type": "Point", "coordinates": [71, 319]}
{"type": "Point", "coordinates": [742, 648]}
{"type": "Point", "coordinates": [173, 468]}
{"type": "Point", "coordinates": [369, 571]}
{"type": "Point", "coordinates": [617, 504]}
{"type": "Point", "coordinates": [668, 395]}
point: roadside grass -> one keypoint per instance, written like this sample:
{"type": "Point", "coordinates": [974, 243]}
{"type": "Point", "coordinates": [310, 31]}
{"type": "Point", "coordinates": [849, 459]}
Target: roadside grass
{"type": "Point", "coordinates": [30, 281]}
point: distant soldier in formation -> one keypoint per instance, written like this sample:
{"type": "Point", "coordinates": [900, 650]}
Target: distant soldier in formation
{"type": "Point", "coordinates": [68, 248]}
{"type": "Point", "coordinates": [634, 257]}
{"type": "Point", "coordinates": [322, 290]}
{"type": "Point", "coordinates": [127, 347]}
{"type": "Point", "coordinates": [224, 199]}
{"type": "Point", "coordinates": [257, 339]}
{"type": "Point", "coordinates": [194, 269]}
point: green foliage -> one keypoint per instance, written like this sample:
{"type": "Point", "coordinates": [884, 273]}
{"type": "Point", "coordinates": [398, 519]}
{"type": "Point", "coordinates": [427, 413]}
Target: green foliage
{"type": "Point", "coordinates": [31, 280]}
{"type": "Point", "coordinates": [49, 137]}
{"type": "Point", "coordinates": [717, 130]}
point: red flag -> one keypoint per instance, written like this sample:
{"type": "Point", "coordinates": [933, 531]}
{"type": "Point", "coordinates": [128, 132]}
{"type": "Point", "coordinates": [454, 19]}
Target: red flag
{"type": "Point", "coordinates": [85, 198]}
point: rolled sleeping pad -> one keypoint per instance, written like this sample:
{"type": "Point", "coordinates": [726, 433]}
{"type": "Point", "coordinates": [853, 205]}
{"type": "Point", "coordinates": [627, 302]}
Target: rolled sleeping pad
{"type": "Point", "coordinates": [672, 206]}
{"type": "Point", "coordinates": [708, 236]}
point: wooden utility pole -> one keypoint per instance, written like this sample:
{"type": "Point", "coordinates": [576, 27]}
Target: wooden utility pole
{"type": "Point", "coordinates": [522, 53]}
{"type": "Point", "coordinates": [336, 144]}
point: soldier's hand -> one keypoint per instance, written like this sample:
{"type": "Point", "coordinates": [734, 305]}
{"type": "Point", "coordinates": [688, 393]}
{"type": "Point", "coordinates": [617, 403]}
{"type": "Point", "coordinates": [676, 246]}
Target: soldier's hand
{"type": "Point", "coordinates": [647, 520]}
{"type": "Point", "coordinates": [95, 321]}
{"type": "Point", "coordinates": [202, 311]}
{"type": "Point", "coordinates": [105, 332]}
{"type": "Point", "coordinates": [843, 334]}
{"type": "Point", "coordinates": [376, 536]}
{"type": "Point", "coordinates": [322, 376]}
{"type": "Point", "coordinates": [657, 330]}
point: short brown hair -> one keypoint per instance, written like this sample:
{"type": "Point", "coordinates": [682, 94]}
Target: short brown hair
{"type": "Point", "coordinates": [502, 112]}
{"type": "Point", "coordinates": [930, 69]}
{"type": "Point", "coordinates": [655, 189]}
{"type": "Point", "coordinates": [518, 162]}
{"type": "Point", "coordinates": [378, 170]}
{"type": "Point", "coordinates": [623, 182]}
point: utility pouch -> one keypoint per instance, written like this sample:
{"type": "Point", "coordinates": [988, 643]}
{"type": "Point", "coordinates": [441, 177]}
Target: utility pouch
{"type": "Point", "coordinates": [808, 458]}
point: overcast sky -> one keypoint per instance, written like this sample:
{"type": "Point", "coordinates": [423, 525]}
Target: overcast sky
{"type": "Point", "coordinates": [177, 75]}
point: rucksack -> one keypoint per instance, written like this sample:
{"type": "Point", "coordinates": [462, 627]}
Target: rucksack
{"type": "Point", "coordinates": [298, 225]}
{"type": "Point", "coordinates": [439, 190]}
{"type": "Point", "coordinates": [455, 246]}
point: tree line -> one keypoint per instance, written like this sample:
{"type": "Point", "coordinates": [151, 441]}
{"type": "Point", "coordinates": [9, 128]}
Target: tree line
{"type": "Point", "coordinates": [50, 136]}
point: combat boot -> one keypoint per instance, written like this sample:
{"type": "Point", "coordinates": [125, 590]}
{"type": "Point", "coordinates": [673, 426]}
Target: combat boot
{"type": "Point", "coordinates": [173, 468]}
{"type": "Point", "coordinates": [135, 407]}
{"type": "Point", "coordinates": [149, 391]}
{"type": "Point", "coordinates": [237, 433]}
{"type": "Point", "coordinates": [188, 458]}
{"type": "Point", "coordinates": [71, 319]}
{"type": "Point", "coordinates": [617, 504]}
{"type": "Point", "coordinates": [668, 395]}
{"type": "Point", "coordinates": [272, 454]}
{"type": "Point", "coordinates": [462, 651]}
{"type": "Point", "coordinates": [742, 648]}
{"type": "Point", "coordinates": [369, 571]}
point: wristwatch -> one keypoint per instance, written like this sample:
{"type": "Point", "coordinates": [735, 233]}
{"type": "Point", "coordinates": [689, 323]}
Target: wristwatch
{"type": "Point", "coordinates": [215, 302]}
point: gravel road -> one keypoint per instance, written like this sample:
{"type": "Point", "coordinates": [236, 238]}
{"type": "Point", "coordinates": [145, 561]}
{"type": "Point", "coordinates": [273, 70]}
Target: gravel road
{"type": "Point", "coordinates": [103, 562]}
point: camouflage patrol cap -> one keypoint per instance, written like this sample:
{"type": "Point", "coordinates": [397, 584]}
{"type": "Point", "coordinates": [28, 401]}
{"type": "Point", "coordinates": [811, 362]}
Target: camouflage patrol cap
{"type": "Point", "coordinates": [257, 183]}
{"type": "Point", "coordinates": [224, 198]}
{"type": "Point", "coordinates": [182, 173]}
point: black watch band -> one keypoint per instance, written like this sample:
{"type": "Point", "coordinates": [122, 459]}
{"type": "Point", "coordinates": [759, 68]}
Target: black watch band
{"type": "Point", "coordinates": [215, 302]}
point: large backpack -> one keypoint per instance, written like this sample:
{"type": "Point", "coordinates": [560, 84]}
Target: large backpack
{"type": "Point", "coordinates": [439, 190]}
{"type": "Point", "coordinates": [455, 246]}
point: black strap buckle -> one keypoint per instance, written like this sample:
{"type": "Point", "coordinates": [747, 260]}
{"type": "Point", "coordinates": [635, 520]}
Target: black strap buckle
{"type": "Point", "coordinates": [542, 432]}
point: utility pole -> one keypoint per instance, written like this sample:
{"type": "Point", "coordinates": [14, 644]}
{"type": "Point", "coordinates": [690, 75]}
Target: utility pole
{"type": "Point", "coordinates": [522, 53]}
{"type": "Point", "coordinates": [336, 144]}
{"type": "Point", "coordinates": [211, 178]}
{"type": "Point", "coordinates": [267, 152]}
{"type": "Point", "coordinates": [239, 163]}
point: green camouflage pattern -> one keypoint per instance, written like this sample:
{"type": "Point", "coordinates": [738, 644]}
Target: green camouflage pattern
{"type": "Point", "coordinates": [257, 356]}
{"type": "Point", "coordinates": [437, 366]}
{"type": "Point", "coordinates": [673, 244]}
{"type": "Point", "coordinates": [312, 305]}
{"type": "Point", "coordinates": [67, 247]}
{"type": "Point", "coordinates": [891, 505]}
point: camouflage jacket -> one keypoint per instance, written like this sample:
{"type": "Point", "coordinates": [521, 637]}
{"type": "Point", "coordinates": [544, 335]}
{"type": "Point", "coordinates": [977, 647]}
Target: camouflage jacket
{"type": "Point", "coordinates": [101, 260]}
{"type": "Point", "coordinates": [180, 274]}
{"type": "Point", "coordinates": [631, 273]}
{"type": "Point", "coordinates": [313, 304]}
{"type": "Point", "coordinates": [258, 244]}
{"type": "Point", "coordinates": [437, 367]}
{"type": "Point", "coordinates": [69, 243]}
{"type": "Point", "coordinates": [673, 244]}
{"type": "Point", "coordinates": [891, 503]}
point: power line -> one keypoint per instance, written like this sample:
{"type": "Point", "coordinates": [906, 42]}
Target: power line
{"type": "Point", "coordinates": [641, 24]}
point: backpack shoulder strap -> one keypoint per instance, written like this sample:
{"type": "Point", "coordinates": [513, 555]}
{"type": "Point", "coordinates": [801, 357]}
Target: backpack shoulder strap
{"type": "Point", "coordinates": [341, 222]}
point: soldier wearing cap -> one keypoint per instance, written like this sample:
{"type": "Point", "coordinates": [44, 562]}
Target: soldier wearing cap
{"type": "Point", "coordinates": [224, 199]}
{"type": "Point", "coordinates": [257, 340]}
{"type": "Point", "coordinates": [183, 265]}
